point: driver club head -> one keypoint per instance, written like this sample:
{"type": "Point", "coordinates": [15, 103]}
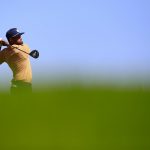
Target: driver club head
{"type": "Point", "coordinates": [34, 54]}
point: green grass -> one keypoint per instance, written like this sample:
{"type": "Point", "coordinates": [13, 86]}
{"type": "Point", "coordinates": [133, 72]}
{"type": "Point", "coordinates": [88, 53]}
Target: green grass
{"type": "Point", "coordinates": [76, 118]}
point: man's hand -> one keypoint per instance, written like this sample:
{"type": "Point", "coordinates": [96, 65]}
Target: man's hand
{"type": "Point", "coordinates": [3, 43]}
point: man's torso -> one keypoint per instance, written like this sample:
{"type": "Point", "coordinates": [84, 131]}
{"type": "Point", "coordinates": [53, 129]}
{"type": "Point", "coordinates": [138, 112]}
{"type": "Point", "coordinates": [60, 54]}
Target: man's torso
{"type": "Point", "coordinates": [18, 62]}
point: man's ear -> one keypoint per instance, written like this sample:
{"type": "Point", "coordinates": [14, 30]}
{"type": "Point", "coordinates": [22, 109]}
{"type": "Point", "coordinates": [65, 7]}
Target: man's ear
{"type": "Point", "coordinates": [10, 39]}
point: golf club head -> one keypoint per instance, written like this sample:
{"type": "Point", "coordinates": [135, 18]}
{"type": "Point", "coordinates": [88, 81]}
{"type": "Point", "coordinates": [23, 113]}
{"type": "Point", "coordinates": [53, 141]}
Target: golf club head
{"type": "Point", "coordinates": [34, 54]}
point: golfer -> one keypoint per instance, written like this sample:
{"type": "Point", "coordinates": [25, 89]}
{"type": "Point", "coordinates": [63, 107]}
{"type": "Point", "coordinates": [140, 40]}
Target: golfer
{"type": "Point", "coordinates": [18, 62]}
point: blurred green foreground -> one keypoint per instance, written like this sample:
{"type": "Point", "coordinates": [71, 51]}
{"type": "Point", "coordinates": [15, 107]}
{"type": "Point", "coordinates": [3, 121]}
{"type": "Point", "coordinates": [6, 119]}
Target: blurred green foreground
{"type": "Point", "coordinates": [76, 118]}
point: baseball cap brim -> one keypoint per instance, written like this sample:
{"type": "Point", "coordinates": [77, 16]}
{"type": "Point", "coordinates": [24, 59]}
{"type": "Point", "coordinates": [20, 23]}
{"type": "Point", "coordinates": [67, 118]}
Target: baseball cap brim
{"type": "Point", "coordinates": [18, 34]}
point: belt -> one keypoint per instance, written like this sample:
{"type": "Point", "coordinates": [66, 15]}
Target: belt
{"type": "Point", "coordinates": [21, 83]}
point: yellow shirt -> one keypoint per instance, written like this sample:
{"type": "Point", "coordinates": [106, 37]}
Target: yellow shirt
{"type": "Point", "coordinates": [18, 62]}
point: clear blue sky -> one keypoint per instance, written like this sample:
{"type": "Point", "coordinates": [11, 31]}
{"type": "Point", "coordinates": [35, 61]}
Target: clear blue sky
{"type": "Point", "coordinates": [90, 38]}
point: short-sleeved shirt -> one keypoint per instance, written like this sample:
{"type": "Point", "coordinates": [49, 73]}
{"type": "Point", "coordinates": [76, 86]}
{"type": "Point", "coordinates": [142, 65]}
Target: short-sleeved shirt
{"type": "Point", "coordinates": [18, 62]}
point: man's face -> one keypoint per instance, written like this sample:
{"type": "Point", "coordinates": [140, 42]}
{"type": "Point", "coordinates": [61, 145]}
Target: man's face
{"type": "Point", "coordinates": [17, 40]}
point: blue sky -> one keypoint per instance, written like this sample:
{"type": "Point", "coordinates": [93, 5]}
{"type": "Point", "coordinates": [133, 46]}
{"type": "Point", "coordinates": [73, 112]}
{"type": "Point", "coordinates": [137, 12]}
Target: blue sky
{"type": "Point", "coordinates": [87, 38]}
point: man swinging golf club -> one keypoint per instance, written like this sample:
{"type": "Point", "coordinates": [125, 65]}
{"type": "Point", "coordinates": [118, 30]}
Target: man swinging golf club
{"type": "Point", "coordinates": [17, 58]}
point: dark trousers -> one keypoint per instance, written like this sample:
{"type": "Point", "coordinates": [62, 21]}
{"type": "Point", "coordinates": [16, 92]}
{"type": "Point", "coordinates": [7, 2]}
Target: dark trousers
{"type": "Point", "coordinates": [20, 87]}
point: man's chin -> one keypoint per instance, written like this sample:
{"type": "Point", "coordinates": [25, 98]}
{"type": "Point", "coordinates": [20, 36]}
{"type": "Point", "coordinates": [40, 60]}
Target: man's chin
{"type": "Point", "coordinates": [20, 43]}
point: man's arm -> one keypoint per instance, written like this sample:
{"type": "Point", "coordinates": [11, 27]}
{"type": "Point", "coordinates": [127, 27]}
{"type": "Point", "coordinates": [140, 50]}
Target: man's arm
{"type": "Point", "coordinates": [2, 43]}
{"type": "Point", "coordinates": [1, 57]}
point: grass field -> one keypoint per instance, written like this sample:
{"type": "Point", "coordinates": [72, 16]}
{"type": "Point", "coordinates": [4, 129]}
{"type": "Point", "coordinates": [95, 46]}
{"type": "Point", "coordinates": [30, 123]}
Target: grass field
{"type": "Point", "coordinates": [76, 118]}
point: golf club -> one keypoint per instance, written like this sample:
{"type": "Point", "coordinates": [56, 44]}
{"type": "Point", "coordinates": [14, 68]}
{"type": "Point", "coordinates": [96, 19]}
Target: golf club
{"type": "Point", "coordinates": [33, 53]}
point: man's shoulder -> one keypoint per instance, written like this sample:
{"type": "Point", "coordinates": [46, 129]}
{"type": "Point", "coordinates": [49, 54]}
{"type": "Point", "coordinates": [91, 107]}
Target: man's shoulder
{"type": "Point", "coordinates": [23, 47]}
{"type": "Point", "coordinates": [4, 50]}
{"type": "Point", "coordinates": [25, 44]}
{"type": "Point", "coordinates": [26, 47]}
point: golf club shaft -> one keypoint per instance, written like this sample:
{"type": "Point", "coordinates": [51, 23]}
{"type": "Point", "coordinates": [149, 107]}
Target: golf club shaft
{"type": "Point", "coordinates": [18, 49]}
{"type": "Point", "coordinates": [34, 53]}
{"type": "Point", "coordinates": [6, 44]}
